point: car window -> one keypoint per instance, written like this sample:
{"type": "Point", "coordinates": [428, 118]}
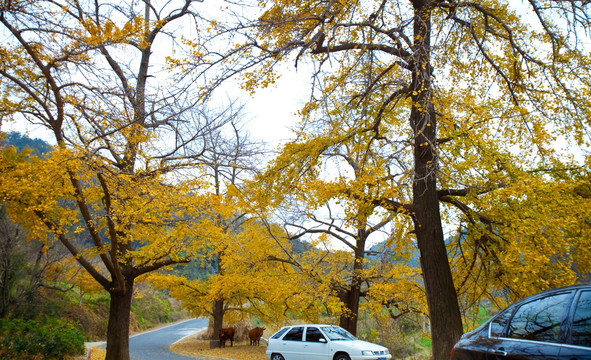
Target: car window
{"type": "Point", "coordinates": [313, 334]}
{"type": "Point", "coordinates": [295, 334]}
{"type": "Point", "coordinates": [498, 324]}
{"type": "Point", "coordinates": [540, 319]}
{"type": "Point", "coordinates": [278, 334]}
{"type": "Point", "coordinates": [337, 333]}
{"type": "Point", "coordinates": [581, 327]}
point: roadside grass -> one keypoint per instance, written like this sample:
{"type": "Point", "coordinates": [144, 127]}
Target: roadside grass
{"type": "Point", "coordinates": [194, 346]}
{"type": "Point", "coordinates": [97, 354]}
{"type": "Point", "coordinates": [94, 353]}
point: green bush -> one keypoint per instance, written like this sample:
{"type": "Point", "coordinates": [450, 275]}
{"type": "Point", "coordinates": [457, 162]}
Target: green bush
{"type": "Point", "coordinates": [46, 338]}
{"type": "Point", "coordinates": [152, 309]}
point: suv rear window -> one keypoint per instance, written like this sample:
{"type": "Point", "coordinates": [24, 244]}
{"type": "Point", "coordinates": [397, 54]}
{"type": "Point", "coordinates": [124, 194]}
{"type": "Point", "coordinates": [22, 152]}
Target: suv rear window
{"type": "Point", "coordinates": [498, 324]}
{"type": "Point", "coordinates": [540, 319]}
{"type": "Point", "coordinates": [581, 328]}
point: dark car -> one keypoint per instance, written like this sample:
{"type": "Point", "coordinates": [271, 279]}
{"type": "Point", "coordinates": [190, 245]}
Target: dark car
{"type": "Point", "coordinates": [555, 324]}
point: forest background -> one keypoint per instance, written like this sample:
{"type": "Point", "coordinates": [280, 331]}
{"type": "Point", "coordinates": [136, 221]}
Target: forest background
{"type": "Point", "coordinates": [454, 133]}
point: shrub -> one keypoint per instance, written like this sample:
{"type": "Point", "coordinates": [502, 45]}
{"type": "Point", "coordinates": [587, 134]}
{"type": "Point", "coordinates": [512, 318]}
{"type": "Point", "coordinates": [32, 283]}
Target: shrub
{"type": "Point", "coordinates": [152, 308]}
{"type": "Point", "coordinates": [46, 338]}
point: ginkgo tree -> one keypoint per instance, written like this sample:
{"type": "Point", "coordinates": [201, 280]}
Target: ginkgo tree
{"type": "Point", "coordinates": [246, 283]}
{"type": "Point", "coordinates": [530, 235]}
{"type": "Point", "coordinates": [128, 135]}
{"type": "Point", "coordinates": [322, 206]}
{"type": "Point", "coordinates": [468, 101]}
{"type": "Point", "coordinates": [227, 163]}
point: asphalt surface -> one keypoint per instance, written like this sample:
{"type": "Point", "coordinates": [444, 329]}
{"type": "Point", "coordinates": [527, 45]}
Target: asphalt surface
{"type": "Point", "coordinates": [153, 345]}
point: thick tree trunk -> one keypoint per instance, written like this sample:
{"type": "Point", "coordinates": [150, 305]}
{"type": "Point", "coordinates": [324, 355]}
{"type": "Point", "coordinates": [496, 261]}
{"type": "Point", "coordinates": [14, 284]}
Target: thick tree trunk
{"type": "Point", "coordinates": [348, 319]}
{"type": "Point", "coordinates": [118, 326]}
{"type": "Point", "coordinates": [444, 312]}
{"type": "Point", "coordinates": [218, 322]}
{"type": "Point", "coordinates": [350, 313]}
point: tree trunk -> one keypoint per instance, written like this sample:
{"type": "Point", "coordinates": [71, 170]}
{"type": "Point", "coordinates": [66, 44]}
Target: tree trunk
{"type": "Point", "coordinates": [218, 321]}
{"type": "Point", "coordinates": [350, 315]}
{"type": "Point", "coordinates": [6, 256]}
{"type": "Point", "coordinates": [444, 312]}
{"type": "Point", "coordinates": [350, 298]}
{"type": "Point", "coordinates": [118, 326]}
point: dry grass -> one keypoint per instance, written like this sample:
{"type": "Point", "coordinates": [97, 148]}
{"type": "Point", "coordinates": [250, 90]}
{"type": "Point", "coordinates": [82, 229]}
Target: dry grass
{"type": "Point", "coordinates": [94, 353]}
{"type": "Point", "coordinates": [195, 346]}
{"type": "Point", "coordinates": [97, 354]}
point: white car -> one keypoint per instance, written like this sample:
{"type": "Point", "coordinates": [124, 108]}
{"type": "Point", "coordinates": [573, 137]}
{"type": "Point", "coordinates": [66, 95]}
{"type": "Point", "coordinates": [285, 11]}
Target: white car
{"type": "Point", "coordinates": [321, 342]}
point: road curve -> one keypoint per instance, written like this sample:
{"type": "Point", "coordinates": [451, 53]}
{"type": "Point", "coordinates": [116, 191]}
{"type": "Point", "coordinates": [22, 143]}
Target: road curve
{"type": "Point", "coordinates": [153, 345]}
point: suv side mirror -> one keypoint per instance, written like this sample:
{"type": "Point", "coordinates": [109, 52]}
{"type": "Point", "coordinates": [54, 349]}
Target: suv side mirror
{"type": "Point", "coordinates": [322, 340]}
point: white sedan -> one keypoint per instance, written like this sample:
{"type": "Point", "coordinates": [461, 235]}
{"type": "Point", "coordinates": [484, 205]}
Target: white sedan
{"type": "Point", "coordinates": [321, 342]}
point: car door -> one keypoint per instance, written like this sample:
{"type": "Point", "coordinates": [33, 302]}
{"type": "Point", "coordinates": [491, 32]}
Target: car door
{"type": "Point", "coordinates": [579, 333]}
{"type": "Point", "coordinates": [291, 344]}
{"type": "Point", "coordinates": [535, 331]}
{"type": "Point", "coordinates": [315, 344]}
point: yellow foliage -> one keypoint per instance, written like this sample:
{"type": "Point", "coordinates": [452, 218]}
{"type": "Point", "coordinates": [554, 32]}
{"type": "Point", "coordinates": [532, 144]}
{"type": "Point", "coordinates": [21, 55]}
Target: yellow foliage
{"type": "Point", "coordinates": [508, 113]}
{"type": "Point", "coordinates": [500, 96]}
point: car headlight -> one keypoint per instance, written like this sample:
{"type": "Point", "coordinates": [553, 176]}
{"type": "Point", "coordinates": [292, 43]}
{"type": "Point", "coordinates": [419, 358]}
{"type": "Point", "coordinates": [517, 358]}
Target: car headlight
{"type": "Point", "coordinates": [371, 352]}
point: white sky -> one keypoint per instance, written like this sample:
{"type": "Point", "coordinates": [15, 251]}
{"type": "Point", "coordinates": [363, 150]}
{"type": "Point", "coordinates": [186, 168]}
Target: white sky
{"type": "Point", "coordinates": [271, 112]}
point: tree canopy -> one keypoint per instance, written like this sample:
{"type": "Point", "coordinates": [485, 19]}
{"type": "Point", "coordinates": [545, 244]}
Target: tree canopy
{"type": "Point", "coordinates": [464, 108]}
{"type": "Point", "coordinates": [458, 124]}
{"type": "Point", "coordinates": [127, 168]}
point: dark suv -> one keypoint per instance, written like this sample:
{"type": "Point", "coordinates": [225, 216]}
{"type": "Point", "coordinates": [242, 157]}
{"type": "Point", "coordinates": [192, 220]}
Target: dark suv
{"type": "Point", "coordinates": [554, 324]}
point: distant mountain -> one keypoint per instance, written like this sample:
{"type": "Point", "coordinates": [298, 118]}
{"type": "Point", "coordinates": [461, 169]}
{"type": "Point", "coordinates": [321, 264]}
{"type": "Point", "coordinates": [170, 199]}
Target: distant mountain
{"type": "Point", "coordinates": [381, 252]}
{"type": "Point", "coordinates": [22, 142]}
{"type": "Point", "coordinates": [300, 246]}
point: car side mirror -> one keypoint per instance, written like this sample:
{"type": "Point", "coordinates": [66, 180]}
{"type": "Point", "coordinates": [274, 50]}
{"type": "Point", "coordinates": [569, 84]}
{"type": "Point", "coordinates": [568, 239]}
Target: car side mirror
{"type": "Point", "coordinates": [322, 340]}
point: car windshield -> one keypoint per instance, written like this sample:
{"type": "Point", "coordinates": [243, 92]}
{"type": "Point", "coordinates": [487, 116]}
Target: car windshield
{"type": "Point", "coordinates": [337, 333]}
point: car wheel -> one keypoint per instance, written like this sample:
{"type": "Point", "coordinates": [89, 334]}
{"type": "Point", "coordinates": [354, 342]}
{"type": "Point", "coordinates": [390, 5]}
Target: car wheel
{"type": "Point", "coordinates": [342, 357]}
{"type": "Point", "coordinates": [277, 357]}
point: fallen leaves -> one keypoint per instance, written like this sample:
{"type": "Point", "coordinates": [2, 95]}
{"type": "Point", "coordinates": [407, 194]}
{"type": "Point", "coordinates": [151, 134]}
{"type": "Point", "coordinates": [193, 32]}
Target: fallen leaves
{"type": "Point", "coordinates": [195, 347]}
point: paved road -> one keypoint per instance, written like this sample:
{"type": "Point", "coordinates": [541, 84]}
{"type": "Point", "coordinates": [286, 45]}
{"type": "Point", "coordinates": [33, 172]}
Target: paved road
{"type": "Point", "coordinates": [153, 345]}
